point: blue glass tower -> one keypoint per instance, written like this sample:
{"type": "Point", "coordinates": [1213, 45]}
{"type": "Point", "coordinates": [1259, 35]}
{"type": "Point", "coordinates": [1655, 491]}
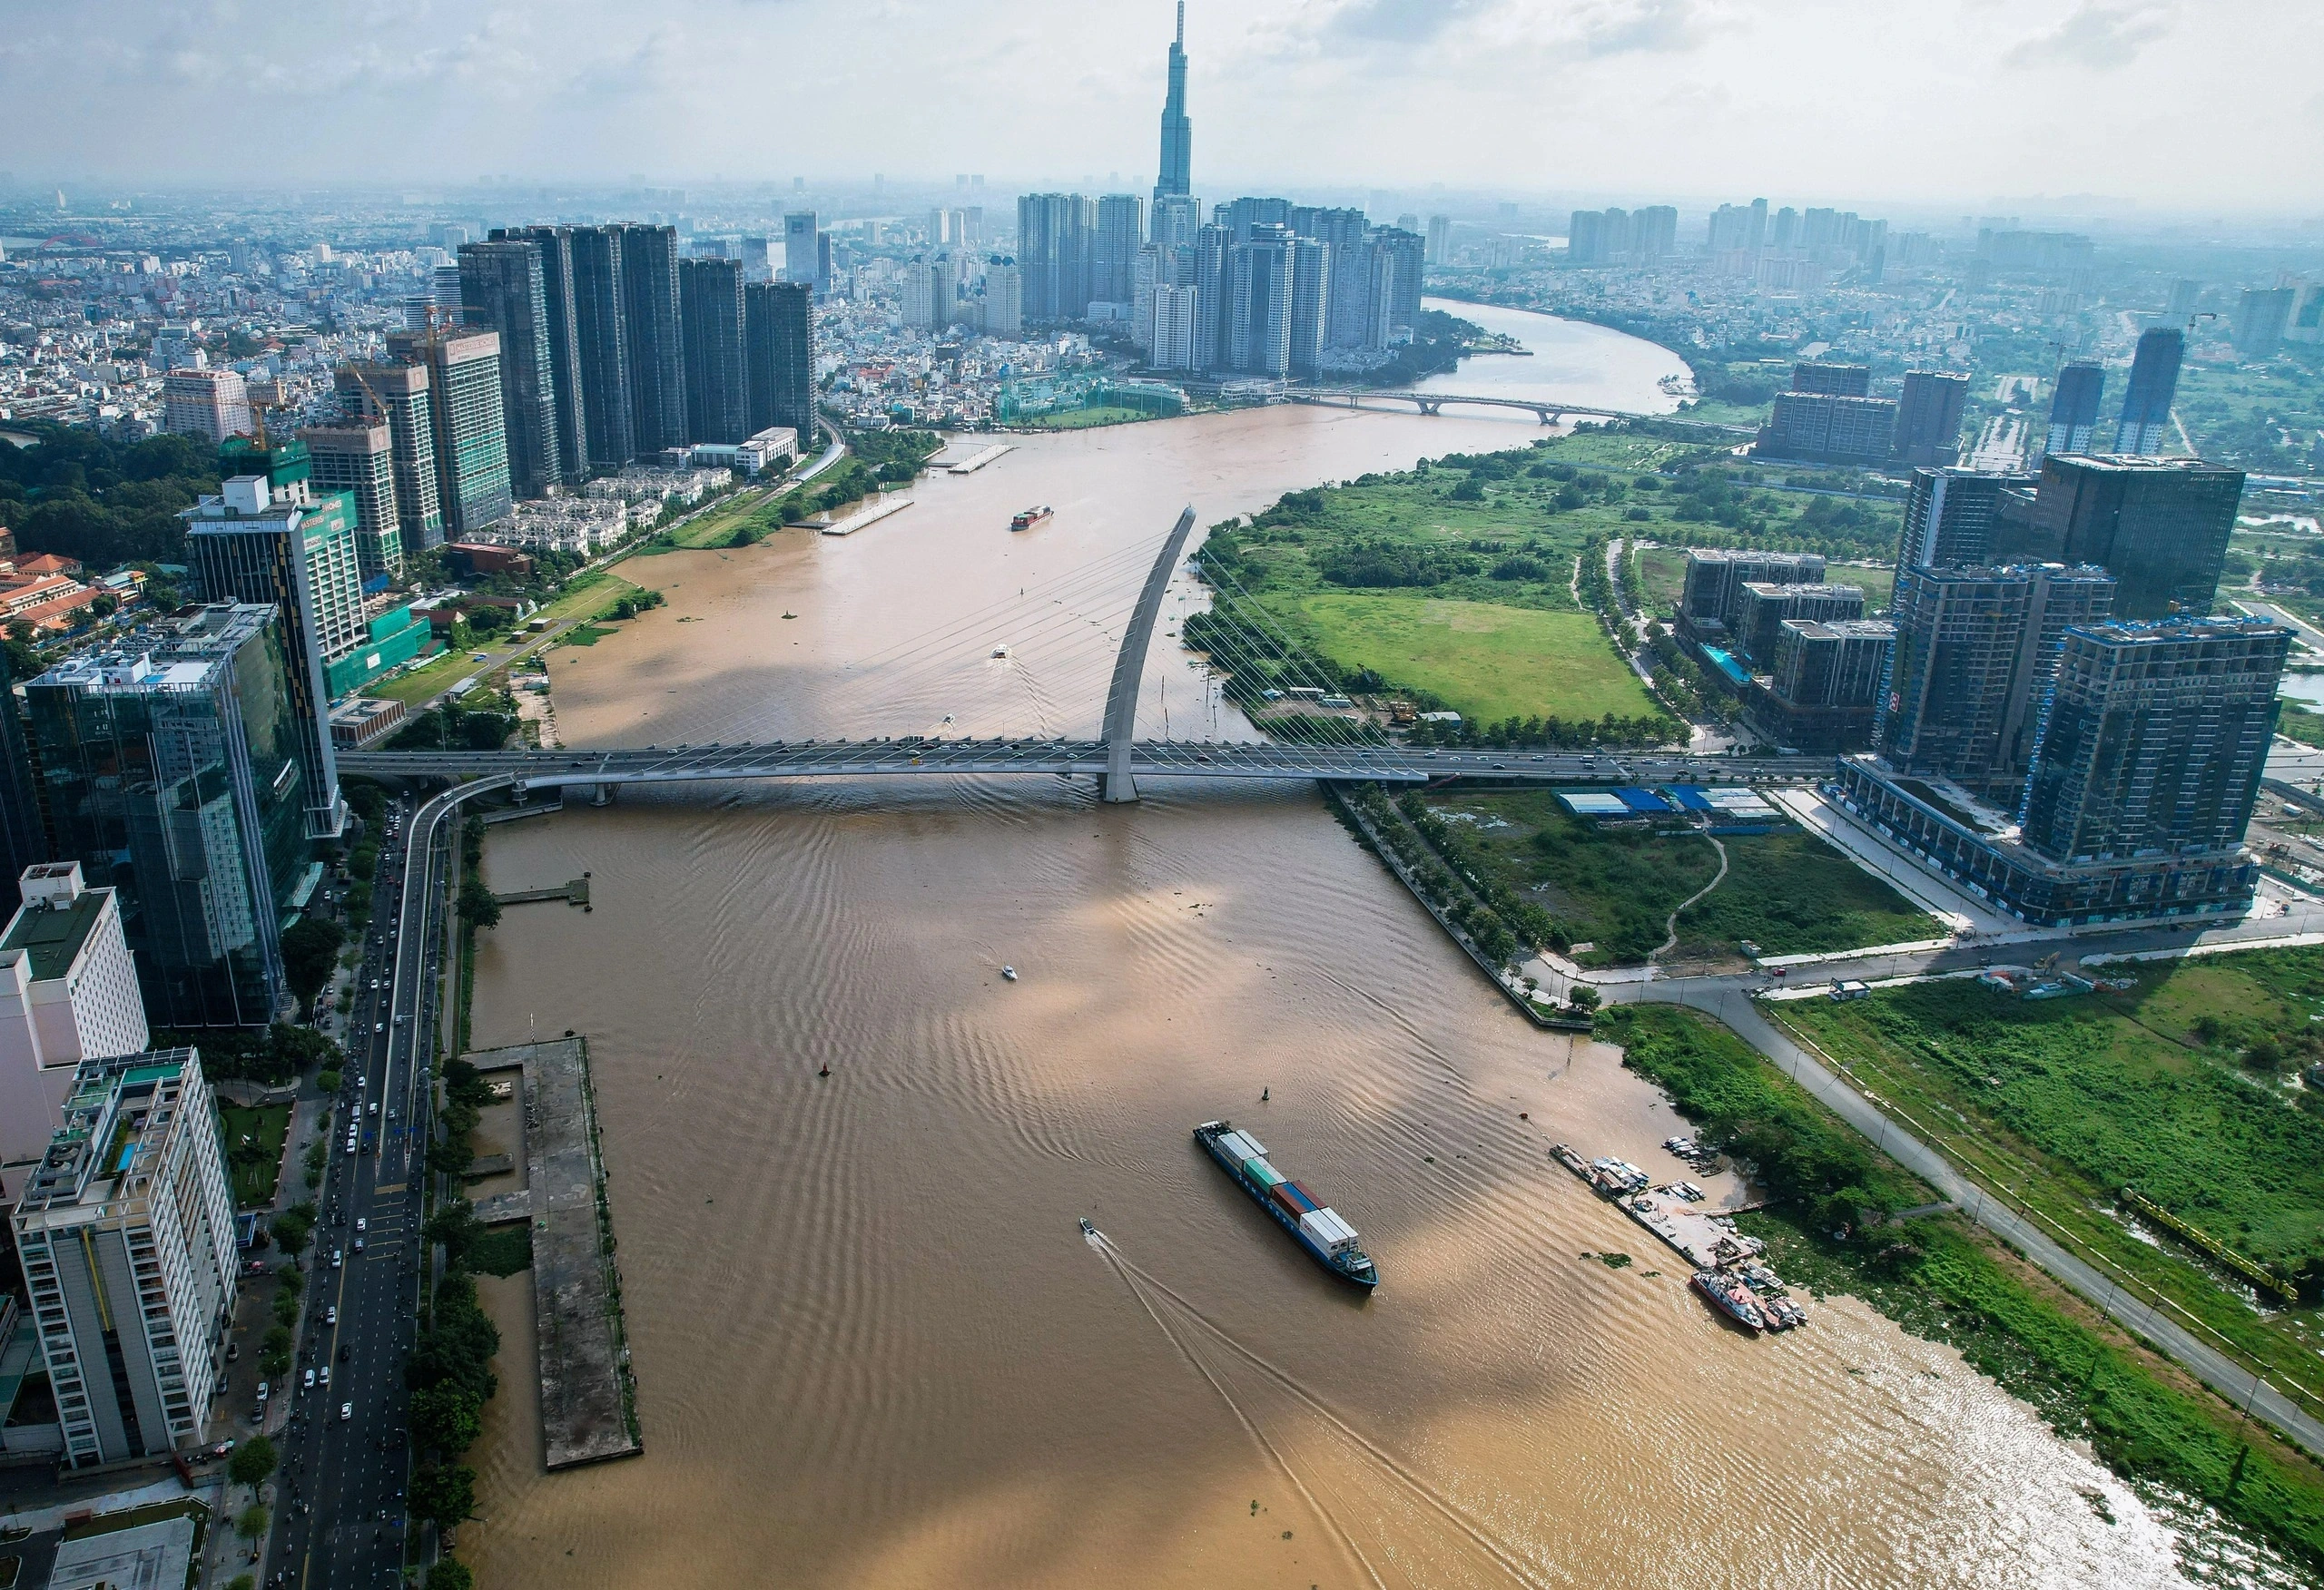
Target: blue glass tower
{"type": "Point", "coordinates": [1175, 174]}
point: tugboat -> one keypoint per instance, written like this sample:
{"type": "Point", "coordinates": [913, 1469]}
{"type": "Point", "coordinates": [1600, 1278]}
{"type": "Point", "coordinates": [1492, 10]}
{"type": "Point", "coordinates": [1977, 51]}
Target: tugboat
{"type": "Point", "coordinates": [1329, 1239]}
{"type": "Point", "coordinates": [1032, 518]}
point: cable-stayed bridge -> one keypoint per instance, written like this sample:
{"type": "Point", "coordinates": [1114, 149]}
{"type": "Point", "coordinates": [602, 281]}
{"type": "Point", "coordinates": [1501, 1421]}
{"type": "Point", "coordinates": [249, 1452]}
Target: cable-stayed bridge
{"type": "Point", "coordinates": [1327, 746]}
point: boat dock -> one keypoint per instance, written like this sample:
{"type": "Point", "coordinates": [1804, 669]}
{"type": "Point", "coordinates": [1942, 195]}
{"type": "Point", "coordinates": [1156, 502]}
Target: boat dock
{"type": "Point", "coordinates": [573, 892]}
{"type": "Point", "coordinates": [588, 1398]}
{"type": "Point", "coordinates": [1709, 1242]}
{"type": "Point", "coordinates": [863, 516]}
{"type": "Point", "coordinates": [969, 466]}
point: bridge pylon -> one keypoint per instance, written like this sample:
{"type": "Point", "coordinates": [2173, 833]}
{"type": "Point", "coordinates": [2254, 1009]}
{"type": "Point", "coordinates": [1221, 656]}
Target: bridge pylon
{"type": "Point", "coordinates": [1115, 785]}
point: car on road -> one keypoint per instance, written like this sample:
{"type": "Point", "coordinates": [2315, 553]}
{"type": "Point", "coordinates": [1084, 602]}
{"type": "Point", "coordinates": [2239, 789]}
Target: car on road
{"type": "Point", "coordinates": [336, 1257]}
{"type": "Point", "coordinates": [346, 1411]}
{"type": "Point", "coordinates": [379, 1026]}
{"type": "Point", "coordinates": [359, 1245]}
{"type": "Point", "coordinates": [361, 1224]}
{"type": "Point", "coordinates": [331, 1315]}
{"type": "Point", "coordinates": [343, 1351]}
{"type": "Point", "coordinates": [326, 1374]}
{"type": "Point", "coordinates": [309, 1383]}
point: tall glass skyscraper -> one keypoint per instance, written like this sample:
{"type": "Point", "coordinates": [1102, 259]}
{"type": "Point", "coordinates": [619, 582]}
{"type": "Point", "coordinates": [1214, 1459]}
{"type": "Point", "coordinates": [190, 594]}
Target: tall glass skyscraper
{"type": "Point", "coordinates": [710, 307]}
{"type": "Point", "coordinates": [779, 357]}
{"type": "Point", "coordinates": [653, 342]}
{"type": "Point", "coordinates": [601, 328]}
{"type": "Point", "coordinates": [563, 336]}
{"type": "Point", "coordinates": [2159, 526]}
{"type": "Point", "coordinates": [1175, 174]}
{"type": "Point", "coordinates": [170, 770]}
{"type": "Point", "coordinates": [2073, 407]}
{"type": "Point", "coordinates": [503, 288]}
{"type": "Point", "coordinates": [471, 431]}
{"type": "Point", "coordinates": [2154, 382]}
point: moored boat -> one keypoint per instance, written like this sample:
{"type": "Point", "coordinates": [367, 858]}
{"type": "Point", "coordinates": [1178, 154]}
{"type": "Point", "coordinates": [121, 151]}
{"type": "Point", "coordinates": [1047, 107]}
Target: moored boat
{"type": "Point", "coordinates": [1729, 1297]}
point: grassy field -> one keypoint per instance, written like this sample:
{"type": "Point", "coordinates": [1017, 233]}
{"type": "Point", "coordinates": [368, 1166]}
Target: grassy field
{"type": "Point", "coordinates": [2302, 722]}
{"type": "Point", "coordinates": [750, 509]}
{"type": "Point", "coordinates": [586, 599]}
{"type": "Point", "coordinates": [1493, 662]}
{"type": "Point", "coordinates": [252, 1169]}
{"type": "Point", "coordinates": [1082, 418]}
{"type": "Point", "coordinates": [2064, 1102]}
{"type": "Point", "coordinates": [1790, 892]}
{"type": "Point", "coordinates": [1944, 1280]}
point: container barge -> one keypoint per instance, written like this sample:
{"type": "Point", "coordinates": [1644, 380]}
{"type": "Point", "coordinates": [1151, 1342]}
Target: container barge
{"type": "Point", "coordinates": [1329, 1239]}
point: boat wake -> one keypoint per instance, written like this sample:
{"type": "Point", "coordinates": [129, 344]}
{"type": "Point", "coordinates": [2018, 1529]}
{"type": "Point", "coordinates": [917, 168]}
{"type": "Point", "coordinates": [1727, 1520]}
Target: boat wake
{"type": "Point", "coordinates": [1190, 1330]}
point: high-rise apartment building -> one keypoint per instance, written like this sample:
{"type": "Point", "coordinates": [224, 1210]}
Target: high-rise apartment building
{"type": "Point", "coordinates": [1311, 303]}
{"type": "Point", "coordinates": [1832, 380]}
{"type": "Point", "coordinates": [1114, 245]}
{"type": "Point", "coordinates": [2159, 526]}
{"type": "Point", "coordinates": [357, 456]}
{"type": "Point", "coordinates": [1440, 239]}
{"type": "Point", "coordinates": [24, 839]}
{"type": "Point", "coordinates": [2155, 738]}
{"type": "Point", "coordinates": [68, 993]}
{"type": "Point", "coordinates": [1975, 650]}
{"type": "Point", "coordinates": [126, 1235]}
{"type": "Point", "coordinates": [1053, 251]}
{"type": "Point", "coordinates": [1213, 280]}
{"type": "Point", "coordinates": [1004, 300]}
{"type": "Point", "coordinates": [1173, 174]}
{"type": "Point", "coordinates": [1259, 307]}
{"type": "Point", "coordinates": [2073, 407]}
{"type": "Point", "coordinates": [1825, 683]}
{"type": "Point", "coordinates": [1949, 517]}
{"type": "Point", "coordinates": [656, 347]}
{"type": "Point", "coordinates": [400, 396]}
{"type": "Point", "coordinates": [928, 292]}
{"type": "Point", "coordinates": [504, 289]}
{"type": "Point", "coordinates": [1620, 237]}
{"type": "Point", "coordinates": [471, 437]}
{"type": "Point", "coordinates": [1404, 248]}
{"type": "Point", "coordinates": [710, 307]}
{"type": "Point", "coordinates": [1715, 579]}
{"type": "Point", "coordinates": [779, 357]}
{"type": "Point", "coordinates": [1817, 428]}
{"type": "Point", "coordinates": [1762, 608]}
{"type": "Point", "coordinates": [174, 773]}
{"type": "Point", "coordinates": [1928, 418]}
{"type": "Point", "coordinates": [209, 403]}
{"type": "Point", "coordinates": [1174, 321]}
{"type": "Point", "coordinates": [296, 550]}
{"type": "Point", "coordinates": [1176, 219]}
{"type": "Point", "coordinates": [601, 336]}
{"type": "Point", "coordinates": [803, 251]}
{"type": "Point", "coordinates": [2154, 382]}
{"type": "Point", "coordinates": [2262, 316]}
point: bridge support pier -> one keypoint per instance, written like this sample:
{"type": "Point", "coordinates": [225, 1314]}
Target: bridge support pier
{"type": "Point", "coordinates": [1115, 785]}
{"type": "Point", "coordinates": [601, 795]}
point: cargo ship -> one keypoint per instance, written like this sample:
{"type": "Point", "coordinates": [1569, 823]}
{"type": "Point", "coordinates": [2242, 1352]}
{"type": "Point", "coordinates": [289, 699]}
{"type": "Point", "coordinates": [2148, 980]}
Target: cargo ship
{"type": "Point", "coordinates": [1328, 1239]}
{"type": "Point", "coordinates": [1032, 517]}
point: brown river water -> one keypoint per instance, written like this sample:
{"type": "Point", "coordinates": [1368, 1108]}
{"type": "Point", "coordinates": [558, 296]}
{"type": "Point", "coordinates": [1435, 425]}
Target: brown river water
{"type": "Point", "coordinates": [872, 1348]}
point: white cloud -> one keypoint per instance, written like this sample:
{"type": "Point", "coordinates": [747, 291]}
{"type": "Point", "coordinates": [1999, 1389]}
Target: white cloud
{"type": "Point", "coordinates": [2098, 36]}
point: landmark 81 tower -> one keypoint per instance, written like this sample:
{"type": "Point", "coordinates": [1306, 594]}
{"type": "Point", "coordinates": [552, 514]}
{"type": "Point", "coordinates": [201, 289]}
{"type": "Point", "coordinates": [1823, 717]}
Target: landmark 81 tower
{"type": "Point", "coordinates": [1174, 177]}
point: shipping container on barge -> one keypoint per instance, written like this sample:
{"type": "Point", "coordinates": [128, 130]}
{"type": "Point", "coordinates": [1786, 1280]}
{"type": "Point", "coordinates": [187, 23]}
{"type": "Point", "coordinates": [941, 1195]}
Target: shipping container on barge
{"type": "Point", "coordinates": [1328, 1239]}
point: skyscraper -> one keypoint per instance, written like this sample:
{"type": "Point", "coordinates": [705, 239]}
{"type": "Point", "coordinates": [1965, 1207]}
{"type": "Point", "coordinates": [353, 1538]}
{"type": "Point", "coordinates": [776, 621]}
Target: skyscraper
{"type": "Point", "coordinates": [2073, 407]}
{"type": "Point", "coordinates": [2159, 526]}
{"type": "Point", "coordinates": [1053, 247]}
{"type": "Point", "coordinates": [2155, 738]}
{"type": "Point", "coordinates": [1004, 300]}
{"type": "Point", "coordinates": [126, 1232]}
{"type": "Point", "coordinates": [1440, 239]}
{"type": "Point", "coordinates": [779, 357]}
{"type": "Point", "coordinates": [1949, 517]}
{"type": "Point", "coordinates": [22, 841]}
{"type": "Point", "coordinates": [2262, 314]}
{"type": "Point", "coordinates": [1173, 327]}
{"type": "Point", "coordinates": [249, 545]}
{"type": "Point", "coordinates": [803, 249]}
{"type": "Point", "coordinates": [504, 289]}
{"type": "Point", "coordinates": [601, 332]}
{"type": "Point", "coordinates": [1259, 310]}
{"type": "Point", "coordinates": [1212, 317]}
{"type": "Point", "coordinates": [1975, 649]}
{"type": "Point", "coordinates": [1404, 249]}
{"type": "Point", "coordinates": [401, 396]}
{"type": "Point", "coordinates": [1833, 380]}
{"type": "Point", "coordinates": [172, 773]}
{"type": "Point", "coordinates": [1174, 175]}
{"type": "Point", "coordinates": [563, 334]}
{"type": "Point", "coordinates": [2154, 382]}
{"type": "Point", "coordinates": [1120, 228]}
{"type": "Point", "coordinates": [1928, 418]}
{"type": "Point", "coordinates": [710, 305]}
{"type": "Point", "coordinates": [357, 456]}
{"type": "Point", "coordinates": [471, 438]}
{"type": "Point", "coordinates": [1311, 278]}
{"type": "Point", "coordinates": [654, 346]}
{"type": "Point", "coordinates": [68, 993]}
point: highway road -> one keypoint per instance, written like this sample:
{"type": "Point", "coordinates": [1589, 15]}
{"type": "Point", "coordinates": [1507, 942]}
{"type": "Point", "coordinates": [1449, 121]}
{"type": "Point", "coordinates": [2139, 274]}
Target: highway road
{"type": "Point", "coordinates": [345, 1456]}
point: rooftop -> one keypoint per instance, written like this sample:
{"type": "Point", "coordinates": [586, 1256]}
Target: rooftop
{"type": "Point", "coordinates": [172, 654]}
{"type": "Point", "coordinates": [52, 935]}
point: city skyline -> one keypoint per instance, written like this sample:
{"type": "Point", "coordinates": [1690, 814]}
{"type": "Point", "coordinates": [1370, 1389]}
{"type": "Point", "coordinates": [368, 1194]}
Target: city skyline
{"type": "Point", "coordinates": [1656, 97]}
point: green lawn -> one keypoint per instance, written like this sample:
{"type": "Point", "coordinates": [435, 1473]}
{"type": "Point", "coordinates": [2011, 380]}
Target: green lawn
{"type": "Point", "coordinates": [1790, 892]}
{"type": "Point", "coordinates": [751, 509]}
{"type": "Point", "coordinates": [1944, 1280]}
{"type": "Point", "coordinates": [2068, 1101]}
{"type": "Point", "coordinates": [1083, 419]}
{"type": "Point", "coordinates": [1489, 661]}
{"type": "Point", "coordinates": [2302, 722]}
{"type": "Point", "coordinates": [253, 1166]}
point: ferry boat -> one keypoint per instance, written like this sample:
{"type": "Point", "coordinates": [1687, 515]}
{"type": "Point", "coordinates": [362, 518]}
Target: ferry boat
{"type": "Point", "coordinates": [1032, 517]}
{"type": "Point", "coordinates": [1729, 1297]}
{"type": "Point", "coordinates": [1329, 1239]}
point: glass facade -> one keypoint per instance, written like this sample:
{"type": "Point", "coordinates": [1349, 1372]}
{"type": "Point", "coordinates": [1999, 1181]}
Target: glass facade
{"type": "Point", "coordinates": [171, 772]}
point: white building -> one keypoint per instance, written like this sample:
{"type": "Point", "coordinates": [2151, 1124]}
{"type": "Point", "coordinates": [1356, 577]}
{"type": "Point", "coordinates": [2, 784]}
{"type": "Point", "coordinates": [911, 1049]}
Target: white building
{"type": "Point", "coordinates": [126, 1234]}
{"type": "Point", "coordinates": [1004, 302]}
{"type": "Point", "coordinates": [1174, 329]}
{"type": "Point", "coordinates": [68, 993]}
{"type": "Point", "coordinates": [210, 404]}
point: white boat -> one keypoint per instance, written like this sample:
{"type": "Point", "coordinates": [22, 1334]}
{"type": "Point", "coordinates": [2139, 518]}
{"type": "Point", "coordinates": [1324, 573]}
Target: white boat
{"type": "Point", "coordinates": [1009, 972]}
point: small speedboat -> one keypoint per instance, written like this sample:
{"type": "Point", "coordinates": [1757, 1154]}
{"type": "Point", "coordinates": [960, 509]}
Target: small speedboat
{"type": "Point", "coordinates": [1009, 972]}
{"type": "Point", "coordinates": [1087, 1228]}
{"type": "Point", "coordinates": [1001, 650]}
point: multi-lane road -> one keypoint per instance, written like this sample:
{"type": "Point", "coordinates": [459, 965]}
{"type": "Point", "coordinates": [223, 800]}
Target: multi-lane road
{"type": "Point", "coordinates": [346, 1458]}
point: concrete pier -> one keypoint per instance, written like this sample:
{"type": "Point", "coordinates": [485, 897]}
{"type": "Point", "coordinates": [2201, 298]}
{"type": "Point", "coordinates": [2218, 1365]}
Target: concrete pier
{"type": "Point", "coordinates": [588, 1399]}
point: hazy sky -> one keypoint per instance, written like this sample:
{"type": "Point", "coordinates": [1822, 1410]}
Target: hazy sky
{"type": "Point", "coordinates": [2205, 104]}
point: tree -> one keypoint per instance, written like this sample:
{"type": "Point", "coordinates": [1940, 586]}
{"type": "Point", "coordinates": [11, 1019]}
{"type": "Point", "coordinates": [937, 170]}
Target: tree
{"type": "Point", "coordinates": [445, 1418]}
{"type": "Point", "coordinates": [450, 1575]}
{"type": "Point", "coordinates": [477, 908]}
{"type": "Point", "coordinates": [275, 1353]}
{"type": "Point", "coordinates": [292, 1227]}
{"type": "Point", "coordinates": [454, 1225]}
{"type": "Point", "coordinates": [311, 948]}
{"type": "Point", "coordinates": [252, 1461]}
{"type": "Point", "coordinates": [443, 1495]}
{"type": "Point", "coordinates": [250, 1522]}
